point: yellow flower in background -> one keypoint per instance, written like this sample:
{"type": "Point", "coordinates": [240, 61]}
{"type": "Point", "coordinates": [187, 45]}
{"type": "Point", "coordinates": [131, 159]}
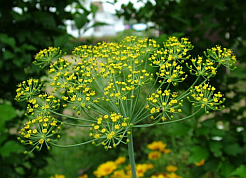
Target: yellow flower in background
{"type": "Point", "coordinates": [83, 176]}
{"type": "Point", "coordinates": [166, 151]}
{"type": "Point", "coordinates": [164, 175]}
{"type": "Point", "coordinates": [154, 155]}
{"type": "Point", "coordinates": [120, 160]}
{"type": "Point", "coordinates": [120, 174]}
{"type": "Point", "coordinates": [202, 162]}
{"type": "Point", "coordinates": [171, 168]}
{"type": "Point", "coordinates": [58, 176]}
{"type": "Point", "coordinates": [157, 145]}
{"type": "Point", "coordinates": [158, 176]}
{"type": "Point", "coordinates": [105, 169]}
{"type": "Point", "coordinates": [140, 169]}
{"type": "Point", "coordinates": [173, 175]}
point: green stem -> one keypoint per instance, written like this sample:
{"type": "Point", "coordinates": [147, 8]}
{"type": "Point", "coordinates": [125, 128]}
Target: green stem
{"type": "Point", "coordinates": [131, 156]}
{"type": "Point", "coordinates": [68, 146]}
{"type": "Point", "coordinates": [70, 117]}
{"type": "Point", "coordinates": [167, 122]}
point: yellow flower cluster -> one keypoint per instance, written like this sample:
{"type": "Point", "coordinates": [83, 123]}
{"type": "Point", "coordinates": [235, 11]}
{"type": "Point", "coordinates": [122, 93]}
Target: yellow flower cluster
{"type": "Point", "coordinates": [45, 57]}
{"type": "Point", "coordinates": [120, 169]}
{"type": "Point", "coordinates": [115, 169]}
{"type": "Point", "coordinates": [171, 173]}
{"type": "Point", "coordinates": [41, 128]}
{"type": "Point", "coordinates": [105, 169]}
{"type": "Point", "coordinates": [166, 175]}
{"type": "Point", "coordinates": [120, 173]}
{"type": "Point", "coordinates": [111, 87]}
{"type": "Point", "coordinates": [169, 58]}
{"type": "Point", "coordinates": [141, 169]}
{"type": "Point", "coordinates": [40, 131]}
{"type": "Point", "coordinates": [42, 105]}
{"type": "Point", "coordinates": [110, 168]}
{"type": "Point", "coordinates": [222, 56]}
{"type": "Point", "coordinates": [28, 89]}
{"type": "Point", "coordinates": [202, 67]}
{"type": "Point", "coordinates": [164, 103]}
{"type": "Point", "coordinates": [203, 96]}
{"type": "Point", "coordinates": [158, 148]}
{"type": "Point", "coordinates": [120, 160]}
{"type": "Point", "coordinates": [111, 128]}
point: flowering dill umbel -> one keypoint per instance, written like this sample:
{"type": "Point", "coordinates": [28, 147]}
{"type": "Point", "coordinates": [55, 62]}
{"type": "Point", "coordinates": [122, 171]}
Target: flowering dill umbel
{"type": "Point", "coordinates": [112, 87]}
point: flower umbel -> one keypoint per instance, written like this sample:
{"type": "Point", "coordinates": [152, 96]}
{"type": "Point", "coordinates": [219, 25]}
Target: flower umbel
{"type": "Point", "coordinates": [112, 88]}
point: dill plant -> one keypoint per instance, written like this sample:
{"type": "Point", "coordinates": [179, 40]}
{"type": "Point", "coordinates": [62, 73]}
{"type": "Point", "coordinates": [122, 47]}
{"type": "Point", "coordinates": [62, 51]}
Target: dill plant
{"type": "Point", "coordinates": [113, 88]}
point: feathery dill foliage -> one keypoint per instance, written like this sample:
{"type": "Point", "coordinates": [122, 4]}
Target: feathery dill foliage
{"type": "Point", "coordinates": [112, 88]}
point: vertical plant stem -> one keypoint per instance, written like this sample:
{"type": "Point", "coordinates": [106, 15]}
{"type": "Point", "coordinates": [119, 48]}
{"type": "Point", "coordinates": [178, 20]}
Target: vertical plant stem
{"type": "Point", "coordinates": [131, 156]}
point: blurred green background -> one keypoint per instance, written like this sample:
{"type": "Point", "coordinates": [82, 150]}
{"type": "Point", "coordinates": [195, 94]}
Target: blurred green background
{"type": "Point", "coordinates": [219, 138]}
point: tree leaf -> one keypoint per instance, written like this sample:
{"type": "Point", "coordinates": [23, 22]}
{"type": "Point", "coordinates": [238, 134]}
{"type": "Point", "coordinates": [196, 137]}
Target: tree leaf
{"type": "Point", "coordinates": [7, 112]}
{"type": "Point", "coordinates": [8, 55]}
{"type": "Point", "coordinates": [80, 20]}
{"type": "Point", "coordinates": [178, 129]}
{"type": "Point", "coordinates": [94, 9]}
{"type": "Point", "coordinates": [11, 147]}
{"type": "Point", "coordinates": [216, 147]}
{"type": "Point", "coordinates": [233, 149]}
{"type": "Point", "coordinates": [198, 153]}
{"type": "Point", "coordinates": [8, 40]}
{"type": "Point", "coordinates": [61, 41]}
{"type": "Point", "coordinates": [226, 168]}
{"type": "Point", "coordinates": [240, 171]}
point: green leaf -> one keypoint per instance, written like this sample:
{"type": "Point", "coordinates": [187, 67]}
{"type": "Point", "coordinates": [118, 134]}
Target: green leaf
{"type": "Point", "coordinates": [202, 131]}
{"type": "Point", "coordinates": [233, 149]}
{"type": "Point", "coordinates": [198, 153]}
{"type": "Point", "coordinates": [94, 9]}
{"type": "Point", "coordinates": [226, 169]}
{"type": "Point", "coordinates": [80, 20]}
{"type": "Point", "coordinates": [7, 112]}
{"type": "Point", "coordinates": [240, 171]}
{"type": "Point", "coordinates": [178, 129]}
{"type": "Point", "coordinates": [216, 147]}
{"type": "Point", "coordinates": [18, 74]}
{"type": "Point", "coordinates": [217, 133]}
{"type": "Point", "coordinates": [61, 40]}
{"type": "Point", "coordinates": [8, 40]}
{"type": "Point", "coordinates": [28, 47]}
{"type": "Point", "coordinates": [8, 55]}
{"type": "Point", "coordinates": [5, 79]}
{"type": "Point", "coordinates": [3, 137]}
{"type": "Point", "coordinates": [20, 170]}
{"type": "Point", "coordinates": [11, 147]}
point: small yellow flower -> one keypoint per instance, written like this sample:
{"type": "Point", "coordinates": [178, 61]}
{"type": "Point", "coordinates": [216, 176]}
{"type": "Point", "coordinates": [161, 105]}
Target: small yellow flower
{"type": "Point", "coordinates": [202, 162]}
{"type": "Point", "coordinates": [105, 169]}
{"type": "Point", "coordinates": [120, 174]}
{"type": "Point", "coordinates": [154, 155]}
{"type": "Point", "coordinates": [157, 145]}
{"type": "Point", "coordinates": [171, 168]}
{"type": "Point", "coordinates": [173, 175]}
{"type": "Point", "coordinates": [58, 176]}
{"type": "Point", "coordinates": [120, 160]}
{"type": "Point", "coordinates": [166, 151]}
{"type": "Point", "coordinates": [158, 176]}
